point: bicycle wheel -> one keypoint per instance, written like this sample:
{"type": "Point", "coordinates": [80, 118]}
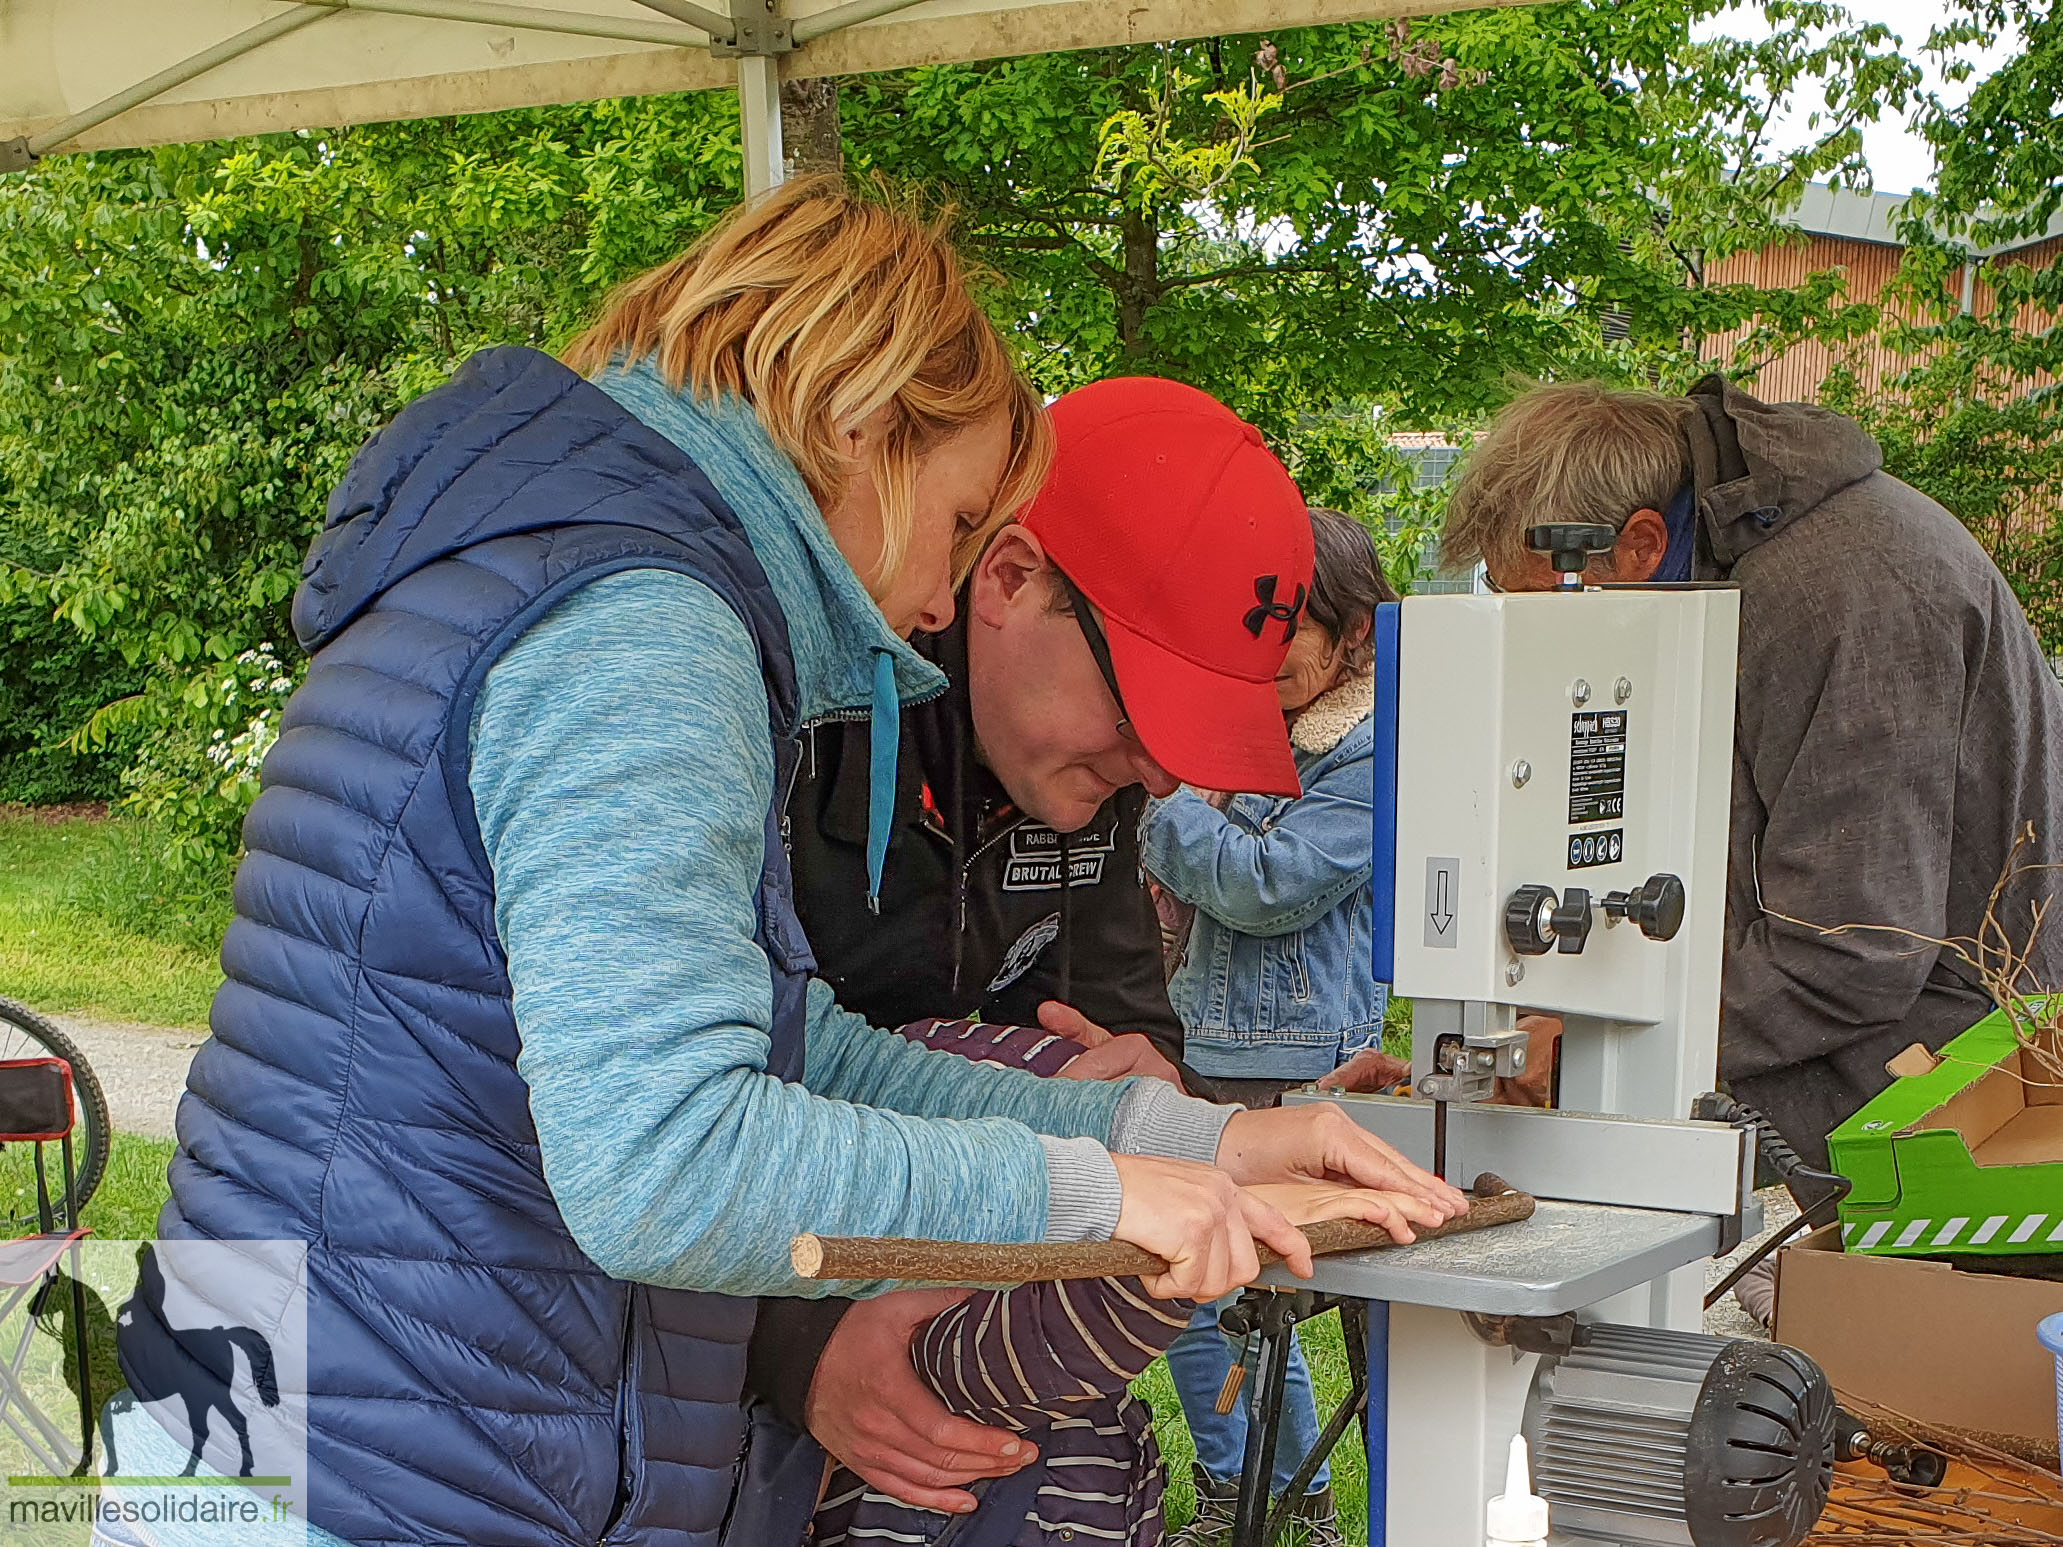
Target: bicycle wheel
{"type": "Point", "coordinates": [25, 1034]}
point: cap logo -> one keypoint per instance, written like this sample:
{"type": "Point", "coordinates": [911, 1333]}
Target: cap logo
{"type": "Point", "coordinates": [1285, 613]}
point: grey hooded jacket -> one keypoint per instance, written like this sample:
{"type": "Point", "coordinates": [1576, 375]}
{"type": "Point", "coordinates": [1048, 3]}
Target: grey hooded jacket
{"type": "Point", "coordinates": [1897, 727]}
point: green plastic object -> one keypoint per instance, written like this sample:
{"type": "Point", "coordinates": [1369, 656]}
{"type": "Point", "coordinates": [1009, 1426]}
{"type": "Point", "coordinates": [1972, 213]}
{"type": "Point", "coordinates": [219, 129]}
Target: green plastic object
{"type": "Point", "coordinates": [1964, 1161]}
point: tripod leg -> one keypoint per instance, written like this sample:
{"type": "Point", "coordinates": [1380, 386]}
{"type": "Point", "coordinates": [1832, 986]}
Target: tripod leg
{"type": "Point", "coordinates": [1264, 1418]}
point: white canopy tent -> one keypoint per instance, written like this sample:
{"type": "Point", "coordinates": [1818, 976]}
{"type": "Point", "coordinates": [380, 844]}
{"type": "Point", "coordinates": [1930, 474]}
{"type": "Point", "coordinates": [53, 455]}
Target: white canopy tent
{"type": "Point", "coordinates": [88, 74]}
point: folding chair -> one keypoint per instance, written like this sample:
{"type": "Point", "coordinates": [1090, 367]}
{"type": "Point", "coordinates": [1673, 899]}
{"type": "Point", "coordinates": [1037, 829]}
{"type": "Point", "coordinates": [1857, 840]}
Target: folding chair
{"type": "Point", "coordinates": [36, 1108]}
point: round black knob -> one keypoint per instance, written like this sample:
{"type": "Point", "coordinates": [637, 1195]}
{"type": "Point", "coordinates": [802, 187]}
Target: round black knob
{"type": "Point", "coordinates": [1528, 920]}
{"type": "Point", "coordinates": [1657, 907]}
{"type": "Point", "coordinates": [1570, 545]}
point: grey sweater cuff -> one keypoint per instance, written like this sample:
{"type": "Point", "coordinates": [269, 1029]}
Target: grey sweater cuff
{"type": "Point", "coordinates": [1083, 1193]}
{"type": "Point", "coordinates": [1156, 1119]}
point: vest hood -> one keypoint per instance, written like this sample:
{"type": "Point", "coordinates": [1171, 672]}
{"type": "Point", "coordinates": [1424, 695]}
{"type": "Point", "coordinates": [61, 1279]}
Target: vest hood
{"type": "Point", "coordinates": [422, 489]}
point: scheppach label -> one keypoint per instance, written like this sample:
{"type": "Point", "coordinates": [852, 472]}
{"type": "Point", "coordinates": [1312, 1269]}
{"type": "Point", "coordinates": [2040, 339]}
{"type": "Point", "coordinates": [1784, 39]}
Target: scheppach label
{"type": "Point", "coordinates": [1597, 766]}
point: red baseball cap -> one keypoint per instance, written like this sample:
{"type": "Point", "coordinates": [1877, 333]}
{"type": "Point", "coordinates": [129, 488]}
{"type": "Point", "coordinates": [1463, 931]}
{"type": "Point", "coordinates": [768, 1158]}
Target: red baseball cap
{"type": "Point", "coordinates": [1166, 510]}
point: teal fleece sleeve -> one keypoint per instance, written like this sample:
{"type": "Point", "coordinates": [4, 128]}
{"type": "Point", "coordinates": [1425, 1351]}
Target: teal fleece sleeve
{"type": "Point", "coordinates": [621, 771]}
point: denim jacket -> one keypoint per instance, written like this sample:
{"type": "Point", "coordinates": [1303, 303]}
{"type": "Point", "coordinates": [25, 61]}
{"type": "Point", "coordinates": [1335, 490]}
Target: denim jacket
{"type": "Point", "coordinates": [1275, 982]}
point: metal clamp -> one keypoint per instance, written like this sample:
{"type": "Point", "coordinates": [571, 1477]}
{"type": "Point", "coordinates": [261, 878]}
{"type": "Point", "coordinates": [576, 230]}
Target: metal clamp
{"type": "Point", "coordinates": [1470, 1064]}
{"type": "Point", "coordinates": [17, 156]}
{"type": "Point", "coordinates": [761, 37]}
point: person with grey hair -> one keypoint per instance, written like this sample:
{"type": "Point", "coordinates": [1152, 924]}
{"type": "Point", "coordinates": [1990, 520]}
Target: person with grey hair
{"type": "Point", "coordinates": [1897, 728]}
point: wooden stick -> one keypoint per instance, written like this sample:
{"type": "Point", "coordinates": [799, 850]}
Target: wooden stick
{"type": "Point", "coordinates": [961, 1262]}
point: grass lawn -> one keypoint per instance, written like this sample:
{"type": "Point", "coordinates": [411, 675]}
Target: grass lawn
{"type": "Point", "coordinates": [90, 924]}
{"type": "Point", "coordinates": [1326, 1354]}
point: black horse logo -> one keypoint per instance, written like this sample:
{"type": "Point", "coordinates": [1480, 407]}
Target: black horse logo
{"type": "Point", "coordinates": [209, 1370]}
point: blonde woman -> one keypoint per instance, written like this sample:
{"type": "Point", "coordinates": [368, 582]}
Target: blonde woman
{"type": "Point", "coordinates": [519, 1038]}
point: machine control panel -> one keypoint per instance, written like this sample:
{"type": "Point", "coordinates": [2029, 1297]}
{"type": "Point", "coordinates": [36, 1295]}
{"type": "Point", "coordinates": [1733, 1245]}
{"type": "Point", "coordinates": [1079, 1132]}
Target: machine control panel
{"type": "Point", "coordinates": [1537, 921]}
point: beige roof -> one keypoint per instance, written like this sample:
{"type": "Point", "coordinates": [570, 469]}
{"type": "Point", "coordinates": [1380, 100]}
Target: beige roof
{"type": "Point", "coordinates": [1824, 210]}
{"type": "Point", "coordinates": [310, 63]}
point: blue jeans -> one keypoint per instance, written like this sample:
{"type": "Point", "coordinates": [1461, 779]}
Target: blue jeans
{"type": "Point", "coordinates": [1198, 1360]}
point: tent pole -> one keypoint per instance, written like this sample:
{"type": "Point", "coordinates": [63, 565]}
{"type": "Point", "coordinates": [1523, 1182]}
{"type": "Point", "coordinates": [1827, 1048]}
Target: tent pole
{"type": "Point", "coordinates": [494, 13]}
{"type": "Point", "coordinates": [715, 23]}
{"type": "Point", "coordinates": [26, 152]}
{"type": "Point", "coordinates": [759, 118]}
{"type": "Point", "coordinates": [839, 17]}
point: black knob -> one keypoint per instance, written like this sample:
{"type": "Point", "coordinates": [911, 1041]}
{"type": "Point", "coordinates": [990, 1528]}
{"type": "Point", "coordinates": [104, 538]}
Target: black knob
{"type": "Point", "coordinates": [1529, 920]}
{"type": "Point", "coordinates": [1657, 907]}
{"type": "Point", "coordinates": [1570, 545]}
{"type": "Point", "coordinates": [1571, 922]}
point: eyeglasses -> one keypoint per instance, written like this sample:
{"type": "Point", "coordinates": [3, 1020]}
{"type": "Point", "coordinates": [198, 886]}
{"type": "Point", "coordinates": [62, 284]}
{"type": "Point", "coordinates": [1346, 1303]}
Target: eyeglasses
{"type": "Point", "coordinates": [1099, 647]}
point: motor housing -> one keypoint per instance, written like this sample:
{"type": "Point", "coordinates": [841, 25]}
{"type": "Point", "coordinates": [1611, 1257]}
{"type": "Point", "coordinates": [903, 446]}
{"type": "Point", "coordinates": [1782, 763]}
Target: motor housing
{"type": "Point", "coordinates": [1641, 1435]}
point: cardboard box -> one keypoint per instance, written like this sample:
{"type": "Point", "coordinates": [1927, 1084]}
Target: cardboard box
{"type": "Point", "coordinates": [1929, 1340]}
{"type": "Point", "coordinates": [1964, 1159]}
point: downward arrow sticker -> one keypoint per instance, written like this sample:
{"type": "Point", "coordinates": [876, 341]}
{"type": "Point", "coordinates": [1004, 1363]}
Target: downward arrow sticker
{"type": "Point", "coordinates": [1442, 892]}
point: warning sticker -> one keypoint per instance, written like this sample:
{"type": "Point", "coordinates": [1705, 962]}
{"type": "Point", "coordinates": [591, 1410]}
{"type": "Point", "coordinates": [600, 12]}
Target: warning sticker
{"type": "Point", "coordinates": [1597, 766]}
{"type": "Point", "coordinates": [1588, 849]}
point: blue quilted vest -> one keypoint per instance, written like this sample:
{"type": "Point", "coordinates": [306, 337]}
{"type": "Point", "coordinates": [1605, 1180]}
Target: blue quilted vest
{"type": "Point", "coordinates": [473, 1378]}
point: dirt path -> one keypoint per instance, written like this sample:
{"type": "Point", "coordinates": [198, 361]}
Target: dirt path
{"type": "Point", "coordinates": [1727, 1319]}
{"type": "Point", "coordinates": [142, 1069]}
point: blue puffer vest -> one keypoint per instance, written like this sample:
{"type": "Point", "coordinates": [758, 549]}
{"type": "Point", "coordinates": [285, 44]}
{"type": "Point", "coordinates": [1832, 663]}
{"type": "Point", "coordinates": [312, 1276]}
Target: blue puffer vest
{"type": "Point", "coordinates": [473, 1378]}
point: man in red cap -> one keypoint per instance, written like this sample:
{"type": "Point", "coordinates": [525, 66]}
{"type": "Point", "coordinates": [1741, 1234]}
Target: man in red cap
{"type": "Point", "coordinates": [1120, 639]}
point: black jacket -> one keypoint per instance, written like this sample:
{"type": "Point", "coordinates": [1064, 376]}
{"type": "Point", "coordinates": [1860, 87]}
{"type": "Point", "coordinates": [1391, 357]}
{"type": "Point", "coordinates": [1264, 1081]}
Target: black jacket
{"type": "Point", "coordinates": [973, 919]}
{"type": "Point", "coordinates": [973, 922]}
{"type": "Point", "coordinates": [1897, 730]}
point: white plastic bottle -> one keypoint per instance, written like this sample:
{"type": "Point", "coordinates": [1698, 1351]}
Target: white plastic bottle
{"type": "Point", "coordinates": [1517, 1516]}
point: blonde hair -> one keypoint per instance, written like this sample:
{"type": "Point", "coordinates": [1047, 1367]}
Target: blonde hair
{"type": "Point", "coordinates": [1566, 453]}
{"type": "Point", "coordinates": [820, 308]}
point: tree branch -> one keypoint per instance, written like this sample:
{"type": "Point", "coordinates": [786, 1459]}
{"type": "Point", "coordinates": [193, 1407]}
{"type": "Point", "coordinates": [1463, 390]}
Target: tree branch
{"type": "Point", "coordinates": [1245, 271]}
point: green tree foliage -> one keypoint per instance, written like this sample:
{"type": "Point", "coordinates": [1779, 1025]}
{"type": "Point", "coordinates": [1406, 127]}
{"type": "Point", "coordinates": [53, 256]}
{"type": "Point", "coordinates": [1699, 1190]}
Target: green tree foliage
{"type": "Point", "coordinates": [1406, 216]}
{"type": "Point", "coordinates": [1978, 422]}
{"type": "Point", "coordinates": [52, 682]}
{"type": "Point", "coordinates": [1995, 460]}
{"type": "Point", "coordinates": [195, 339]}
{"type": "Point", "coordinates": [1314, 226]}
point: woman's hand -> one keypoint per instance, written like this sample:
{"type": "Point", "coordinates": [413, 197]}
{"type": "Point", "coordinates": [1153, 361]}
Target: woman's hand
{"type": "Point", "coordinates": [1306, 1203]}
{"type": "Point", "coordinates": [1319, 1143]}
{"type": "Point", "coordinates": [1204, 1224]}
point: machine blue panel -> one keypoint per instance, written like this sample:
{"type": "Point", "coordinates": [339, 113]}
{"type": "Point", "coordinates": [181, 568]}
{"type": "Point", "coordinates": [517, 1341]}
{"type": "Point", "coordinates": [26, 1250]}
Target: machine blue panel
{"type": "Point", "coordinates": [1388, 633]}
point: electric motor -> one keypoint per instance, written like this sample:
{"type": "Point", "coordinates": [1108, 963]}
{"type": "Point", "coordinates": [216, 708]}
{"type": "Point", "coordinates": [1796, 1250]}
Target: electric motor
{"type": "Point", "coordinates": [1641, 1435]}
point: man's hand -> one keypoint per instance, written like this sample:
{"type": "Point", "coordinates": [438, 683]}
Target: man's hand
{"type": "Point", "coordinates": [1370, 1071]}
{"type": "Point", "coordinates": [868, 1407]}
{"type": "Point", "coordinates": [1534, 1088]}
{"type": "Point", "coordinates": [1320, 1143]}
{"type": "Point", "coordinates": [1204, 1224]}
{"type": "Point", "coordinates": [1107, 1057]}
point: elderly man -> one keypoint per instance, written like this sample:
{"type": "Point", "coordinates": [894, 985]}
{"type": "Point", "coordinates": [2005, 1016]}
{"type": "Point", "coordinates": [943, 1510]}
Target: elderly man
{"type": "Point", "coordinates": [1897, 727]}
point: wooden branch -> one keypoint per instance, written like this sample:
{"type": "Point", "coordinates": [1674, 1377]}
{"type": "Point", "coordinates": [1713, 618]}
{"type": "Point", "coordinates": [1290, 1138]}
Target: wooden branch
{"type": "Point", "coordinates": [960, 1262]}
{"type": "Point", "coordinates": [1245, 271]}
